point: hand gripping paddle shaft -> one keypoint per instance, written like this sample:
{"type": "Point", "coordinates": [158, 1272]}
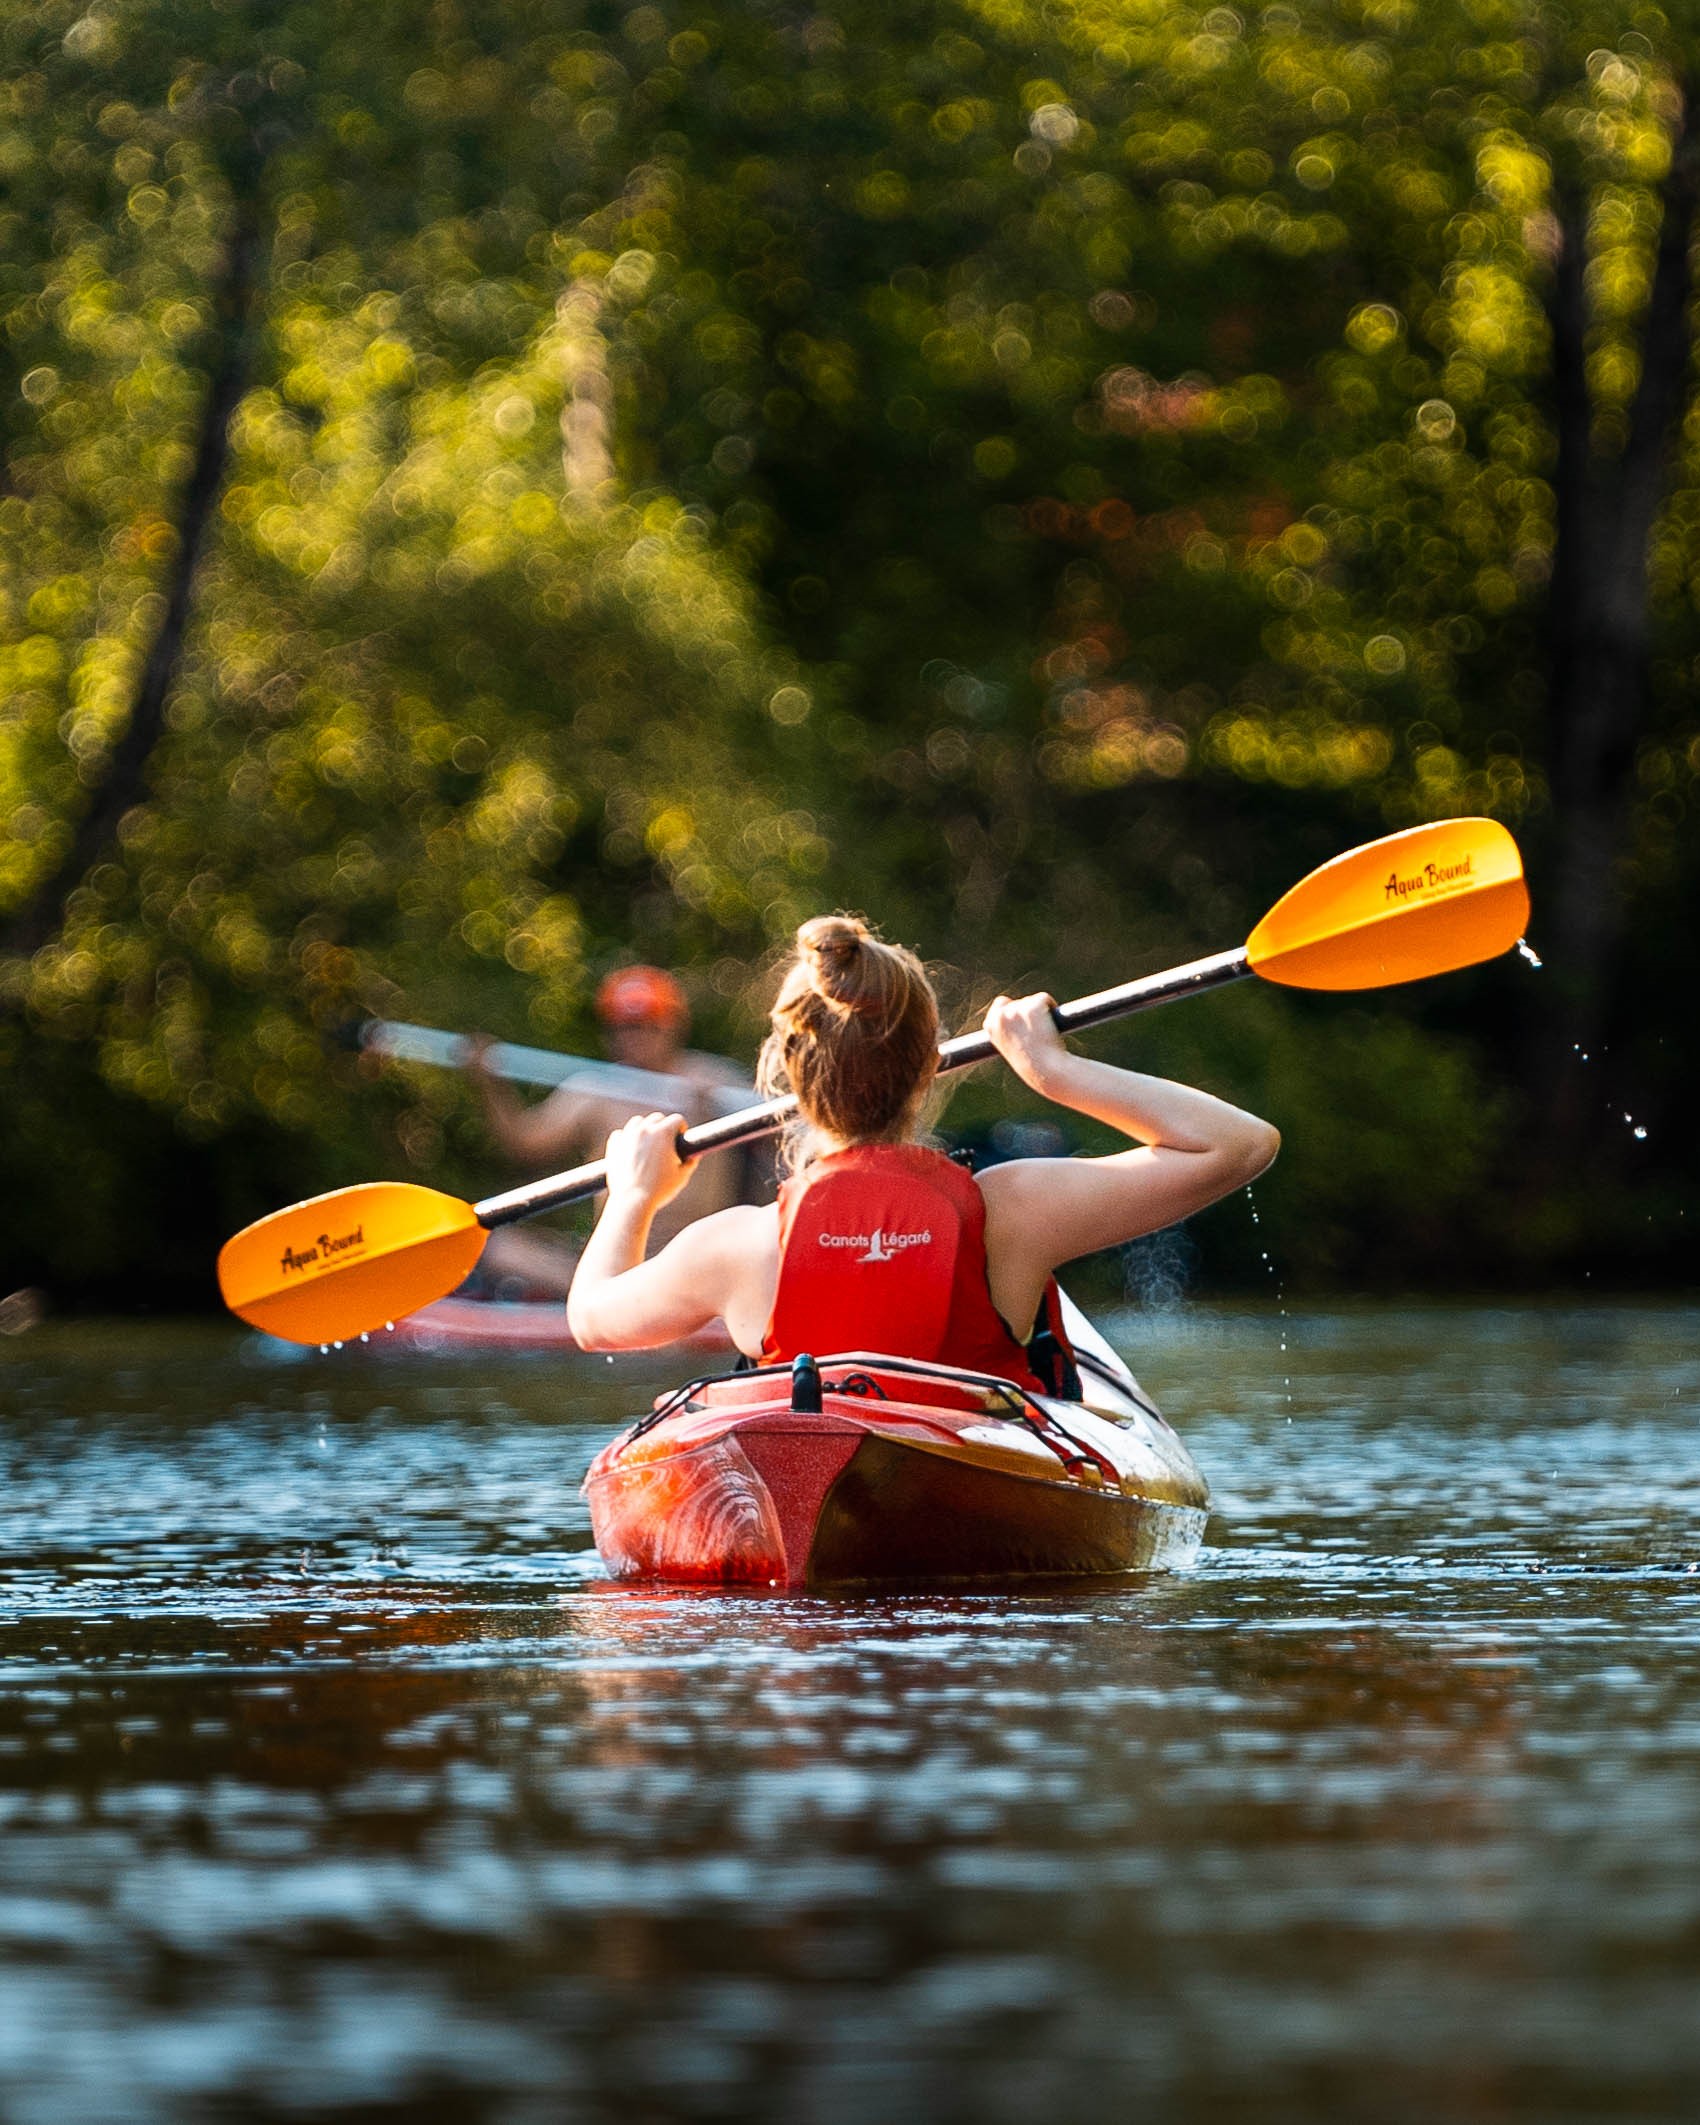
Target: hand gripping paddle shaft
{"type": "Point", "coordinates": [1423, 902]}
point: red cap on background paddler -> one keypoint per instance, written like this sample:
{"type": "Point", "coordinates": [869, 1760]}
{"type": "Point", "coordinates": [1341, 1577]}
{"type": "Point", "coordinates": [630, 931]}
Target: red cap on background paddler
{"type": "Point", "coordinates": [641, 996]}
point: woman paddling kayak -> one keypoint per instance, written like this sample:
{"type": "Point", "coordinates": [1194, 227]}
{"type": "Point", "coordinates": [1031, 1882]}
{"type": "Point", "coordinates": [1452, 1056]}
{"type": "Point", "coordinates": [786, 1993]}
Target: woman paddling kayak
{"type": "Point", "coordinates": [877, 1243]}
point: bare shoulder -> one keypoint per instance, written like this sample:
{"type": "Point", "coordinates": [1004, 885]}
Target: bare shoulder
{"type": "Point", "coordinates": [712, 1069]}
{"type": "Point", "coordinates": [729, 1261]}
{"type": "Point", "coordinates": [587, 1109]}
{"type": "Point", "coordinates": [734, 1234]}
{"type": "Point", "coordinates": [1019, 1182]}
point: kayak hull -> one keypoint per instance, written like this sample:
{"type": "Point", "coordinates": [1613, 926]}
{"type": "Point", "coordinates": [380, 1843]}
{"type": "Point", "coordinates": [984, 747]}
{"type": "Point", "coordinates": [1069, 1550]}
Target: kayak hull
{"type": "Point", "coordinates": [736, 1487]}
{"type": "Point", "coordinates": [926, 1516]}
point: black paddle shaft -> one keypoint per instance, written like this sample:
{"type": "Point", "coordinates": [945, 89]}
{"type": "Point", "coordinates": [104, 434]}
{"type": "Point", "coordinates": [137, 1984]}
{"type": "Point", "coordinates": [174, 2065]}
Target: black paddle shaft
{"type": "Point", "coordinates": [728, 1130]}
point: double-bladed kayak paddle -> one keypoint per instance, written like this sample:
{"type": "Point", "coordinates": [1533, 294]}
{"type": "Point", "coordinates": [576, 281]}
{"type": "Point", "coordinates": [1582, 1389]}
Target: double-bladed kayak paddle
{"type": "Point", "coordinates": [1423, 902]}
{"type": "Point", "coordinates": [398, 1041]}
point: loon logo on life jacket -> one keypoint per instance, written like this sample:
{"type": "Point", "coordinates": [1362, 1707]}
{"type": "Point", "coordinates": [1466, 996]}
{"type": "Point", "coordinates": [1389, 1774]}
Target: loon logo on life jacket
{"type": "Point", "coordinates": [882, 1246]}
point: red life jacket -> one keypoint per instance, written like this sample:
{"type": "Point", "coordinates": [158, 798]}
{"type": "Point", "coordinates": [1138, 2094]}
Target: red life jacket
{"type": "Point", "coordinates": [882, 1247]}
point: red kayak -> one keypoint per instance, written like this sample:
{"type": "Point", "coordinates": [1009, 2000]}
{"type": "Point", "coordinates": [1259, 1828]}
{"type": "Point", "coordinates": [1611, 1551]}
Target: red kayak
{"type": "Point", "coordinates": [864, 1468]}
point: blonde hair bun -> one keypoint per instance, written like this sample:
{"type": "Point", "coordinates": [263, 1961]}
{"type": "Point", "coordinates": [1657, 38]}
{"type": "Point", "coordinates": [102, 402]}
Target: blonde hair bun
{"type": "Point", "coordinates": [855, 1030]}
{"type": "Point", "coordinates": [843, 969]}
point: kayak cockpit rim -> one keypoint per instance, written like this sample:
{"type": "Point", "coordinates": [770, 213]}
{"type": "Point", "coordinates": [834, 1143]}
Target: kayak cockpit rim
{"type": "Point", "coordinates": [806, 1374]}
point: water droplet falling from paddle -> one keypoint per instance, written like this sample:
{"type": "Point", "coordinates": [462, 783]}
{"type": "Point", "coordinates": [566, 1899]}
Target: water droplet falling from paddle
{"type": "Point", "coordinates": [1280, 1297]}
{"type": "Point", "coordinates": [1529, 953]}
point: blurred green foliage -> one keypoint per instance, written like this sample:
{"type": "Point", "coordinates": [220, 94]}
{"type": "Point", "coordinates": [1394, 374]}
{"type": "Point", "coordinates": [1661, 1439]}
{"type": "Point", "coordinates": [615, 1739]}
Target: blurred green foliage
{"type": "Point", "coordinates": [1046, 475]}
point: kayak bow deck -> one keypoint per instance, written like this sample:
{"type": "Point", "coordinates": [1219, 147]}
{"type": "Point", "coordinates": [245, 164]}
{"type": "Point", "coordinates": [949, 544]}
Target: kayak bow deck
{"type": "Point", "coordinates": [863, 1468]}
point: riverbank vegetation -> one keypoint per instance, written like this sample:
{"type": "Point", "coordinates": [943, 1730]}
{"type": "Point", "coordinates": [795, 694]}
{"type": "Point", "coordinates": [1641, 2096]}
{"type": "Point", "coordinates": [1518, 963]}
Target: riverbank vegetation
{"type": "Point", "coordinates": [489, 491]}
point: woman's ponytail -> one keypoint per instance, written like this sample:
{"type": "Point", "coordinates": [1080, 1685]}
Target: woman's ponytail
{"type": "Point", "coordinates": [855, 1031]}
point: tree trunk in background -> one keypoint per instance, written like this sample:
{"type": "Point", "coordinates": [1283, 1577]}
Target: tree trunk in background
{"type": "Point", "coordinates": [1601, 630]}
{"type": "Point", "coordinates": [587, 411]}
{"type": "Point", "coordinates": [123, 781]}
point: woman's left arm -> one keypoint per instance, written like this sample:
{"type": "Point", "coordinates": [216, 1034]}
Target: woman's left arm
{"type": "Point", "coordinates": [1192, 1149]}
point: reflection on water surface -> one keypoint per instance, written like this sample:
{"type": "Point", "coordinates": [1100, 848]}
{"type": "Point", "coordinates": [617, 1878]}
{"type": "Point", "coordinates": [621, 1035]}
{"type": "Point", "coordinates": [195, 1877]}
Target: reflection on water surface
{"type": "Point", "coordinates": [335, 1781]}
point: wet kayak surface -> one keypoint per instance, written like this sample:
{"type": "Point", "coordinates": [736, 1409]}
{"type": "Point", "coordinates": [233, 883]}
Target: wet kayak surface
{"type": "Point", "coordinates": [335, 1781]}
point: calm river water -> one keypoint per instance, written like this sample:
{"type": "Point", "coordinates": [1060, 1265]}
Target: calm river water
{"type": "Point", "coordinates": [335, 1783]}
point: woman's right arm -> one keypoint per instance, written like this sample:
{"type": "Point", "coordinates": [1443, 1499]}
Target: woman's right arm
{"type": "Point", "coordinates": [619, 1300]}
{"type": "Point", "coordinates": [1192, 1149]}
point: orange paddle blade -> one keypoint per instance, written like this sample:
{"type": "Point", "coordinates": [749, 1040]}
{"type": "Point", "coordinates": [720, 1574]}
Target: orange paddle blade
{"type": "Point", "coordinates": [1418, 903]}
{"type": "Point", "coordinates": [343, 1264]}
